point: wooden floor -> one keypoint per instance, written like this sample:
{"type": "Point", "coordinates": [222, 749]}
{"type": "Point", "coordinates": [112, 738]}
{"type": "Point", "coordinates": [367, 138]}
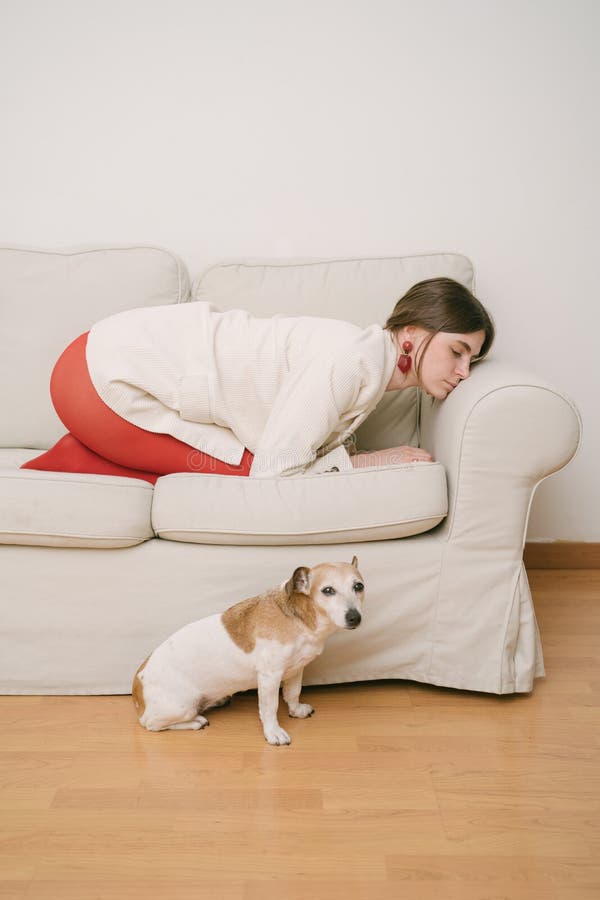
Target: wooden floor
{"type": "Point", "coordinates": [392, 789]}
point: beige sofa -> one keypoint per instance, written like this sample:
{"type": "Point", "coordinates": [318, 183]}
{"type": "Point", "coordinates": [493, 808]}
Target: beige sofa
{"type": "Point", "coordinates": [95, 571]}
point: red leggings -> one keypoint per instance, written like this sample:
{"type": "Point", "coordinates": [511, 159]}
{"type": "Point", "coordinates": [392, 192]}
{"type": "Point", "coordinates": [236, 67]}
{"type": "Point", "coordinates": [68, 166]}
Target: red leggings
{"type": "Point", "coordinates": [100, 442]}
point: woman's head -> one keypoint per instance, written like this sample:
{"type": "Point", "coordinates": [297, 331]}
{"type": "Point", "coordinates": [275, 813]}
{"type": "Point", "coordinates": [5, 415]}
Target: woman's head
{"type": "Point", "coordinates": [449, 329]}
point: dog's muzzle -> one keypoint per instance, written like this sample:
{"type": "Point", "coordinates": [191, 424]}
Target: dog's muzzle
{"type": "Point", "coordinates": [353, 618]}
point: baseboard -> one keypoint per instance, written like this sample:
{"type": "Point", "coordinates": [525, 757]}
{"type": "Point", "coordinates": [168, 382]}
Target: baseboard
{"type": "Point", "coordinates": [562, 555]}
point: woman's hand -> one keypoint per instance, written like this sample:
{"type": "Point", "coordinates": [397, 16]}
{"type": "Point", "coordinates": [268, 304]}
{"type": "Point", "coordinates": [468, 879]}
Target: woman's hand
{"type": "Point", "coordinates": [390, 457]}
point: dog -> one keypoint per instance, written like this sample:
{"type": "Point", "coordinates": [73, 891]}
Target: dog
{"type": "Point", "coordinates": [259, 643]}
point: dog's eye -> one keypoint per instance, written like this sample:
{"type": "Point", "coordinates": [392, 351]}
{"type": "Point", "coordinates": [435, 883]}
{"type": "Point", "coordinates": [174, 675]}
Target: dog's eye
{"type": "Point", "coordinates": [358, 587]}
{"type": "Point", "coordinates": [328, 590]}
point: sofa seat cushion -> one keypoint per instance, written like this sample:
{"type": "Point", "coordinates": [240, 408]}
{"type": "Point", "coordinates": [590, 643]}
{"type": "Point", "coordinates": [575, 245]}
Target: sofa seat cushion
{"type": "Point", "coordinates": [338, 507]}
{"type": "Point", "coordinates": [63, 509]}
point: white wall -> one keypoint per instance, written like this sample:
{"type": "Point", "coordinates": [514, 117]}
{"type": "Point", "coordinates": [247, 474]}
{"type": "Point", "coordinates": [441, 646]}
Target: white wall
{"type": "Point", "coordinates": [330, 127]}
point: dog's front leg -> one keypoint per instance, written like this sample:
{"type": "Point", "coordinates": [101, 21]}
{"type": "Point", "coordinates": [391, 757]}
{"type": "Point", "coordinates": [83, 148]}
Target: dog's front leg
{"type": "Point", "coordinates": [268, 701]}
{"type": "Point", "coordinates": [291, 694]}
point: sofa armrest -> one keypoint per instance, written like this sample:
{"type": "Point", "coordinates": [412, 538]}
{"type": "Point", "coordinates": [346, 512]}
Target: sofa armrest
{"type": "Point", "coordinates": [498, 435]}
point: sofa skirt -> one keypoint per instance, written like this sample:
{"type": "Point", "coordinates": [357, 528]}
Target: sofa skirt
{"type": "Point", "coordinates": [80, 621]}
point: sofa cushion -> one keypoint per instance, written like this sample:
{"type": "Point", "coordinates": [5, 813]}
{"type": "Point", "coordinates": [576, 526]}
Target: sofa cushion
{"type": "Point", "coordinates": [359, 290]}
{"type": "Point", "coordinates": [360, 505]}
{"type": "Point", "coordinates": [48, 299]}
{"type": "Point", "coordinates": [62, 509]}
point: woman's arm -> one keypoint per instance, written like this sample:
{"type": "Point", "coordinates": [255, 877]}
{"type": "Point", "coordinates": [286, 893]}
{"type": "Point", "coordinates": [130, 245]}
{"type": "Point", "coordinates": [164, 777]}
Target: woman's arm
{"type": "Point", "coordinates": [315, 401]}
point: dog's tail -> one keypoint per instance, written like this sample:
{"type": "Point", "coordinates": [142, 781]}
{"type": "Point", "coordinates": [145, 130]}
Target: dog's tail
{"type": "Point", "coordinates": [137, 690]}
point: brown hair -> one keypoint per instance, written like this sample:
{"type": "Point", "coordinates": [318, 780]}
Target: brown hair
{"type": "Point", "coordinates": [442, 304]}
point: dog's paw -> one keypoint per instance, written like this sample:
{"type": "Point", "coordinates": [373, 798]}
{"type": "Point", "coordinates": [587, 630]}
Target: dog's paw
{"type": "Point", "coordinates": [277, 736]}
{"type": "Point", "coordinates": [301, 711]}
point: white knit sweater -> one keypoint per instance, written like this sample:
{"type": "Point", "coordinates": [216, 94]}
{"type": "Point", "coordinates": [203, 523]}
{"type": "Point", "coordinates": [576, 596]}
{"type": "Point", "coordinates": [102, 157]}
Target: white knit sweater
{"type": "Point", "coordinates": [290, 389]}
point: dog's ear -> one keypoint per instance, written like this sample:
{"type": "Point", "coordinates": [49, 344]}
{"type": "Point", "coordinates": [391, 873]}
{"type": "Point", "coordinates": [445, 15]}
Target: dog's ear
{"type": "Point", "coordinates": [354, 562]}
{"type": "Point", "coordinates": [295, 601]}
{"type": "Point", "coordinates": [298, 583]}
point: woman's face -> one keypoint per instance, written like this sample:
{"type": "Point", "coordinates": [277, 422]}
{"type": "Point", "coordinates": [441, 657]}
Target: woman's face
{"type": "Point", "coordinates": [447, 360]}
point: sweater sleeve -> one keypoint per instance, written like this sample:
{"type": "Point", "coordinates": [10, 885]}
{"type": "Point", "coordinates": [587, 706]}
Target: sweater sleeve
{"type": "Point", "coordinates": [308, 408]}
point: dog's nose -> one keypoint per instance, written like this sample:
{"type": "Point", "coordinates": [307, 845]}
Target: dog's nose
{"type": "Point", "coordinates": [353, 618]}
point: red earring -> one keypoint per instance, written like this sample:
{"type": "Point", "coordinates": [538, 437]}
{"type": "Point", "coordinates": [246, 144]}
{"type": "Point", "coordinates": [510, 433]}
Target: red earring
{"type": "Point", "coordinates": [405, 362]}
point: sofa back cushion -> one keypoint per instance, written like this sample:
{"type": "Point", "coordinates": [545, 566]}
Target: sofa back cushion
{"type": "Point", "coordinates": [362, 290]}
{"type": "Point", "coordinates": [47, 299]}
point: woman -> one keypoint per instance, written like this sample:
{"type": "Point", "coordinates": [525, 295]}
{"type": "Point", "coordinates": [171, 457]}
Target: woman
{"type": "Point", "coordinates": [190, 388]}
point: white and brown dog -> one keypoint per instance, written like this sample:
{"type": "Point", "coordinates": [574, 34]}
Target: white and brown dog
{"type": "Point", "coordinates": [261, 642]}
